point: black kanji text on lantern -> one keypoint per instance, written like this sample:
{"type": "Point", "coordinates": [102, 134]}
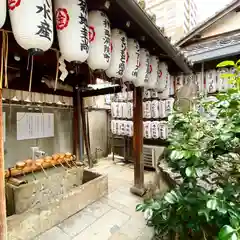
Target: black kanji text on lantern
{"type": "Point", "coordinates": [122, 64]}
{"type": "Point", "coordinates": [107, 40]}
{"type": "Point", "coordinates": [44, 29]}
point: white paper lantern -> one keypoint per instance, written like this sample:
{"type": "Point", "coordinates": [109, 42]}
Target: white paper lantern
{"type": "Point", "coordinates": [154, 72]}
{"type": "Point", "coordinates": [199, 82]}
{"type": "Point", "coordinates": [166, 92]}
{"type": "Point", "coordinates": [113, 110]}
{"type": "Point", "coordinates": [163, 76]}
{"type": "Point", "coordinates": [125, 110]}
{"type": "Point", "coordinates": [129, 110]}
{"type": "Point", "coordinates": [129, 128]}
{"type": "Point", "coordinates": [119, 54]}
{"type": "Point", "coordinates": [222, 83]}
{"type": "Point", "coordinates": [147, 131]}
{"type": "Point", "coordinates": [155, 129]}
{"type": "Point", "coordinates": [100, 41]}
{"type": "Point", "coordinates": [143, 72]}
{"type": "Point", "coordinates": [118, 110]}
{"type": "Point", "coordinates": [163, 130]}
{"type": "Point", "coordinates": [147, 110]}
{"type": "Point", "coordinates": [3, 12]}
{"type": "Point", "coordinates": [122, 130]}
{"type": "Point", "coordinates": [232, 85]}
{"type": "Point", "coordinates": [155, 109]}
{"type": "Point", "coordinates": [211, 81]}
{"type": "Point", "coordinates": [162, 109]}
{"type": "Point", "coordinates": [32, 24]}
{"type": "Point", "coordinates": [169, 106]}
{"type": "Point", "coordinates": [133, 58]}
{"type": "Point", "coordinates": [121, 110]}
{"type": "Point", "coordinates": [72, 29]}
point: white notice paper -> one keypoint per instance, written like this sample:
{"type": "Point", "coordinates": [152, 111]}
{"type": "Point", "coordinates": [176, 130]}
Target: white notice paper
{"type": "Point", "coordinates": [34, 125]}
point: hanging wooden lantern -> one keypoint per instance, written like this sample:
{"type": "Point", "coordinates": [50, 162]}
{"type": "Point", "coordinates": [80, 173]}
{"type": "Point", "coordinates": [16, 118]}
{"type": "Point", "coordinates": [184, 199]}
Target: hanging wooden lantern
{"type": "Point", "coordinates": [133, 58]}
{"type": "Point", "coordinates": [100, 41]}
{"type": "Point", "coordinates": [3, 12]}
{"type": "Point", "coordinates": [119, 54]}
{"type": "Point", "coordinates": [163, 76]}
{"type": "Point", "coordinates": [32, 24]}
{"type": "Point", "coordinates": [153, 77]}
{"type": "Point", "coordinates": [72, 29]}
{"type": "Point", "coordinates": [144, 69]}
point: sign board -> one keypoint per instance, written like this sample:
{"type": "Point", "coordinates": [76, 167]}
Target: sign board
{"type": "Point", "coordinates": [34, 125]}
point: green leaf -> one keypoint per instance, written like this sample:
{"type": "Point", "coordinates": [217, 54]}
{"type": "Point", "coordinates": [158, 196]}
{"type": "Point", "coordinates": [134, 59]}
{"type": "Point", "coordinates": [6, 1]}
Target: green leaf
{"type": "Point", "coordinates": [212, 204]}
{"type": "Point", "coordinates": [140, 207]}
{"type": "Point", "coordinates": [170, 198]}
{"type": "Point", "coordinates": [189, 171]}
{"type": "Point", "coordinates": [156, 206]}
{"type": "Point", "coordinates": [237, 63]}
{"type": "Point", "coordinates": [227, 233]}
{"type": "Point", "coordinates": [226, 64]}
{"type": "Point", "coordinates": [234, 222]}
{"type": "Point", "coordinates": [148, 213]}
{"type": "Point", "coordinates": [176, 155]}
{"type": "Point", "coordinates": [226, 136]}
{"type": "Point", "coordinates": [205, 213]}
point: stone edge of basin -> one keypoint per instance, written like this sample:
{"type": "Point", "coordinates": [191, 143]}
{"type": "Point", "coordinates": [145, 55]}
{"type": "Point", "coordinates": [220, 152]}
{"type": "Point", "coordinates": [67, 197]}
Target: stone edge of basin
{"type": "Point", "coordinates": [30, 224]}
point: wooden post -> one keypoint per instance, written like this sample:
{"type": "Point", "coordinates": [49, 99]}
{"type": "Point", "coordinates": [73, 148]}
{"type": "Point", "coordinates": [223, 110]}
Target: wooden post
{"type": "Point", "coordinates": [3, 220]}
{"type": "Point", "coordinates": [85, 134]}
{"type": "Point", "coordinates": [138, 187]}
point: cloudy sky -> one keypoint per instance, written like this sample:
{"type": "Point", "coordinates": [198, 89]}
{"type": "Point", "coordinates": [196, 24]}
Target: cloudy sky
{"type": "Point", "coordinates": [207, 8]}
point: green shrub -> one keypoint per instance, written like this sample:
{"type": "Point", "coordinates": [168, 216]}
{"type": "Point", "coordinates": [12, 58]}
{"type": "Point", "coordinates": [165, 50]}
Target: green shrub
{"type": "Point", "coordinates": [205, 151]}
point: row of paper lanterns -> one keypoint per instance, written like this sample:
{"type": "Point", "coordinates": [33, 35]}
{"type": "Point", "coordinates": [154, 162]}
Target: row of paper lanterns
{"type": "Point", "coordinates": [151, 109]}
{"type": "Point", "coordinates": [83, 36]}
{"type": "Point", "coordinates": [151, 129]}
{"type": "Point", "coordinates": [210, 81]}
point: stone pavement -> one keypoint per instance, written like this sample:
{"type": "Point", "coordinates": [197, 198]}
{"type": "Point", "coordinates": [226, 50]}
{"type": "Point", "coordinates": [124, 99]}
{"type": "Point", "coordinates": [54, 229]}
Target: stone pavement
{"type": "Point", "coordinates": [111, 218]}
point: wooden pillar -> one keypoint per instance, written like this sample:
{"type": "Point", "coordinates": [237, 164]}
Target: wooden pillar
{"type": "Point", "coordinates": [85, 133]}
{"type": "Point", "coordinates": [138, 187]}
{"type": "Point", "coordinates": [76, 125]}
{"type": "Point", "coordinates": [3, 218]}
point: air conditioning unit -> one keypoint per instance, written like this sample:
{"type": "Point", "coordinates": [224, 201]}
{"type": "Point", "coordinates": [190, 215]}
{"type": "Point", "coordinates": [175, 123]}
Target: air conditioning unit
{"type": "Point", "coordinates": [151, 155]}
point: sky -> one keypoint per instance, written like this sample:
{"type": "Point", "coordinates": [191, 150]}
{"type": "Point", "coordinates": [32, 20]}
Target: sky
{"type": "Point", "coordinates": [206, 8]}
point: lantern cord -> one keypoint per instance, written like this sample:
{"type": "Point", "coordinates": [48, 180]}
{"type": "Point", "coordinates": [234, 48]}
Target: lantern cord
{"type": "Point", "coordinates": [6, 60]}
{"type": "Point", "coordinates": [57, 70]}
{"type": "Point", "coordinates": [31, 73]}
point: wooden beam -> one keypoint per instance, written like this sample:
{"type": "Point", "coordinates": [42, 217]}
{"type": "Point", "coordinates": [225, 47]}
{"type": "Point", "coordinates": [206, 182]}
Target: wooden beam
{"type": "Point", "coordinates": [138, 187]}
{"type": "Point", "coordinates": [3, 218]}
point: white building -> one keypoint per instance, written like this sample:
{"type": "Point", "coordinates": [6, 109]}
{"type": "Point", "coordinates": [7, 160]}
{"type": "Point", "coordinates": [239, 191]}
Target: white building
{"type": "Point", "coordinates": [177, 17]}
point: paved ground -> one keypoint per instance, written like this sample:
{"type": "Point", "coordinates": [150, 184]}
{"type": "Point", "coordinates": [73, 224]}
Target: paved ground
{"type": "Point", "coordinates": [112, 217]}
